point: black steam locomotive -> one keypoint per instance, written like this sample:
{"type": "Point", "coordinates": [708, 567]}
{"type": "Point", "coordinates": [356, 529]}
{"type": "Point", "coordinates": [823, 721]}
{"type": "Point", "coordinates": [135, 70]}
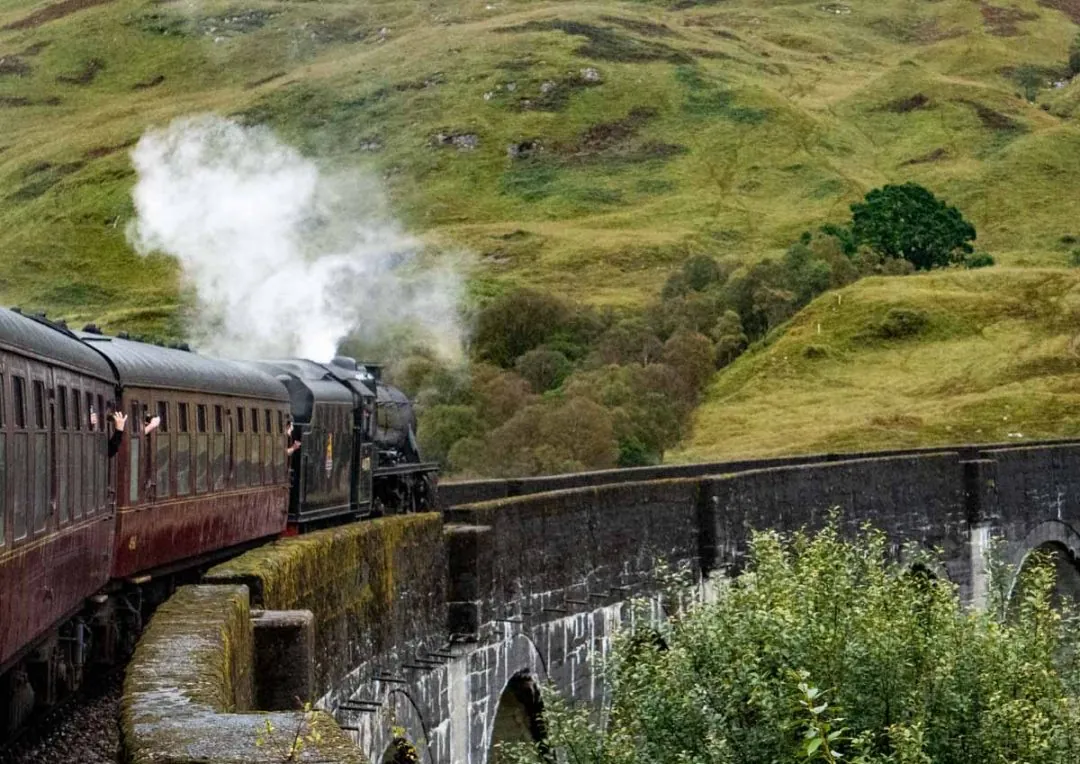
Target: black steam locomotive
{"type": "Point", "coordinates": [359, 454]}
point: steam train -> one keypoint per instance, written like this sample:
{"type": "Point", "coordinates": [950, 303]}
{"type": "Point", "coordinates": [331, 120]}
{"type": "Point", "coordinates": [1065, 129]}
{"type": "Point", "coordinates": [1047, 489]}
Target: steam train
{"type": "Point", "coordinates": [96, 528]}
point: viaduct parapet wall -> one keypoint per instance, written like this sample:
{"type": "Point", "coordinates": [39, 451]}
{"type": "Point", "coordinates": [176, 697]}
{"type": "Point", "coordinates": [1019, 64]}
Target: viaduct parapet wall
{"type": "Point", "coordinates": [435, 629]}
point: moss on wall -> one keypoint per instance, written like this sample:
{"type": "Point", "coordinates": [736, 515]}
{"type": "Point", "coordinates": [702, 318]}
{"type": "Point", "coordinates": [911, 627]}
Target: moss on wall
{"type": "Point", "coordinates": [373, 587]}
{"type": "Point", "coordinates": [189, 683]}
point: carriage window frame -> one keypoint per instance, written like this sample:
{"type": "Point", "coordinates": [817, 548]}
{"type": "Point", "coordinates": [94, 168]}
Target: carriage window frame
{"type": "Point", "coordinates": [38, 389]}
{"type": "Point", "coordinates": [182, 417]}
{"type": "Point", "coordinates": [219, 420]}
{"type": "Point", "coordinates": [62, 407]}
{"type": "Point", "coordinates": [240, 419]}
{"type": "Point", "coordinates": [200, 418]}
{"type": "Point", "coordinates": [76, 409]}
{"type": "Point", "coordinates": [163, 415]}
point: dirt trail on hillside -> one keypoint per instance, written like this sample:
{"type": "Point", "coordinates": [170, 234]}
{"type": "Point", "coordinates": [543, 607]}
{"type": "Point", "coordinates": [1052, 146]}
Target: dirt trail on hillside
{"type": "Point", "coordinates": [53, 12]}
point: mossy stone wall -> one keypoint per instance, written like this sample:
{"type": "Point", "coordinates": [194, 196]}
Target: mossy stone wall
{"type": "Point", "coordinates": [189, 684]}
{"type": "Point", "coordinates": [376, 588]}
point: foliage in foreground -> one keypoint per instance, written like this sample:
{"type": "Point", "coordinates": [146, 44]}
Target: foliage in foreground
{"type": "Point", "coordinates": [823, 652]}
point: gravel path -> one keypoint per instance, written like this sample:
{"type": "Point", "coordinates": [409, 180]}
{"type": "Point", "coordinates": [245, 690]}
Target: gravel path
{"type": "Point", "coordinates": [84, 732]}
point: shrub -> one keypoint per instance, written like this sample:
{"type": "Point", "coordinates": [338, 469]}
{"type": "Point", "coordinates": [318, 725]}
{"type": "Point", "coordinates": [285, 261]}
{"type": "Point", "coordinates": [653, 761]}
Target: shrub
{"type": "Point", "coordinates": [828, 650]}
{"type": "Point", "coordinates": [441, 426]}
{"type": "Point", "coordinates": [701, 272]}
{"type": "Point", "coordinates": [900, 323]}
{"type": "Point", "coordinates": [543, 369]}
{"type": "Point", "coordinates": [498, 394]}
{"type": "Point", "coordinates": [516, 323]}
{"type": "Point", "coordinates": [979, 260]}
{"type": "Point", "coordinates": [1074, 258]}
{"type": "Point", "coordinates": [730, 338]}
{"type": "Point", "coordinates": [631, 341]}
{"type": "Point", "coordinates": [634, 453]}
{"type": "Point", "coordinates": [692, 356]}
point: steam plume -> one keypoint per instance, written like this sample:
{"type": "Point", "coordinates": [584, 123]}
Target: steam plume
{"type": "Point", "coordinates": [284, 259]}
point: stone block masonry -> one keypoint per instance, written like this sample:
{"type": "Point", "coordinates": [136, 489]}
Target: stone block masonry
{"type": "Point", "coordinates": [435, 630]}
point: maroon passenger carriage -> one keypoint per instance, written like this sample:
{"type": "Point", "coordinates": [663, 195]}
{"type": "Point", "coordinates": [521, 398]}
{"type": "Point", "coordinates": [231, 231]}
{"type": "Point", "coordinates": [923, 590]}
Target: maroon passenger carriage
{"type": "Point", "coordinates": [56, 513]}
{"type": "Point", "coordinates": [213, 475]}
{"type": "Point", "coordinates": [89, 544]}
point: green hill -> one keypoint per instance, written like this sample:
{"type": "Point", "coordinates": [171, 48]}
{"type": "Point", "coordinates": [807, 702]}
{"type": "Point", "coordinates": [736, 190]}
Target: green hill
{"type": "Point", "coordinates": [990, 356]}
{"type": "Point", "coordinates": [584, 149]}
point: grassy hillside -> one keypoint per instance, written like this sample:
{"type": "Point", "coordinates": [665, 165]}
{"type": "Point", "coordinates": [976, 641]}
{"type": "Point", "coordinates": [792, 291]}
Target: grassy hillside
{"type": "Point", "coordinates": [991, 356]}
{"type": "Point", "coordinates": [587, 149]}
{"type": "Point", "coordinates": [648, 129]}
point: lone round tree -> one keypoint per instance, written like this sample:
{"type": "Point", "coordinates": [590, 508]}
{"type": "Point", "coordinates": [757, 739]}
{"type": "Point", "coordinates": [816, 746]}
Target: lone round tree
{"type": "Point", "coordinates": [908, 221]}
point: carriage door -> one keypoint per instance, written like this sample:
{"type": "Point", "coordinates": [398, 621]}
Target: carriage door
{"type": "Point", "coordinates": [362, 460]}
{"type": "Point", "coordinates": [230, 447]}
{"type": "Point", "coordinates": [44, 497]}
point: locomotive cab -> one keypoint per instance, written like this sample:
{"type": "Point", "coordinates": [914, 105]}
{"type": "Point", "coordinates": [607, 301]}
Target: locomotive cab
{"type": "Point", "coordinates": [322, 485]}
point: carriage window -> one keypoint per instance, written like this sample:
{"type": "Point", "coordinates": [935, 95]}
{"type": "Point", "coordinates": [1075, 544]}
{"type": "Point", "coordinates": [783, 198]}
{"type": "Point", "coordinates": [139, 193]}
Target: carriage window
{"type": "Point", "coordinates": [182, 416]}
{"type": "Point", "coordinates": [280, 422]}
{"type": "Point", "coordinates": [76, 409]}
{"type": "Point", "coordinates": [39, 405]}
{"type": "Point", "coordinates": [19, 385]}
{"type": "Point", "coordinates": [163, 414]}
{"type": "Point", "coordinates": [62, 406]}
{"type": "Point", "coordinates": [101, 413]}
{"type": "Point", "coordinates": [239, 420]}
{"type": "Point", "coordinates": [269, 422]}
{"type": "Point", "coordinates": [200, 418]}
{"type": "Point", "coordinates": [90, 410]}
{"type": "Point", "coordinates": [254, 420]}
{"type": "Point", "coordinates": [219, 425]}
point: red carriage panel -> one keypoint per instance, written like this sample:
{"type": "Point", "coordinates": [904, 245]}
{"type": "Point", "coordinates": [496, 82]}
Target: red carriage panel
{"type": "Point", "coordinates": [56, 519]}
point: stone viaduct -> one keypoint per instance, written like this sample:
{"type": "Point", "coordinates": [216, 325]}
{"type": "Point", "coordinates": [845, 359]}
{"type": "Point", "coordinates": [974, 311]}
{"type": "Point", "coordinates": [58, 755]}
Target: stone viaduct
{"type": "Point", "coordinates": [431, 632]}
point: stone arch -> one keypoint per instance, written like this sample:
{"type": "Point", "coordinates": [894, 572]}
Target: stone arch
{"type": "Point", "coordinates": [519, 715]}
{"type": "Point", "coordinates": [518, 709]}
{"type": "Point", "coordinates": [402, 727]}
{"type": "Point", "coordinates": [1062, 543]}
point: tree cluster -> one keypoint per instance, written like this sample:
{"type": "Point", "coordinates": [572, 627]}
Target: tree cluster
{"type": "Point", "coordinates": [825, 650]}
{"type": "Point", "coordinates": [557, 387]}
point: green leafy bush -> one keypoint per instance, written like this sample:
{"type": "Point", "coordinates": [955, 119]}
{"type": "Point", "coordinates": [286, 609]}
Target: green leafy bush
{"type": "Point", "coordinates": [830, 650]}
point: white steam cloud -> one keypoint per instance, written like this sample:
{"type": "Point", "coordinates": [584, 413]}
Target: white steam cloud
{"type": "Point", "coordinates": [285, 260]}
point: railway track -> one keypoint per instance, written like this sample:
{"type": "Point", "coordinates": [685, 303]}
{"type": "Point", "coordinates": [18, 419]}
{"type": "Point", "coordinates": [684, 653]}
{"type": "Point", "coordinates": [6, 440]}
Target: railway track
{"type": "Point", "coordinates": [82, 729]}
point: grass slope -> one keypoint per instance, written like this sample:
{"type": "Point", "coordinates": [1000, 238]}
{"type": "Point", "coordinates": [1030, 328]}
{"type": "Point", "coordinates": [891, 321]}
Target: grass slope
{"type": "Point", "coordinates": [653, 128]}
{"type": "Point", "coordinates": [586, 149]}
{"type": "Point", "coordinates": [997, 360]}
